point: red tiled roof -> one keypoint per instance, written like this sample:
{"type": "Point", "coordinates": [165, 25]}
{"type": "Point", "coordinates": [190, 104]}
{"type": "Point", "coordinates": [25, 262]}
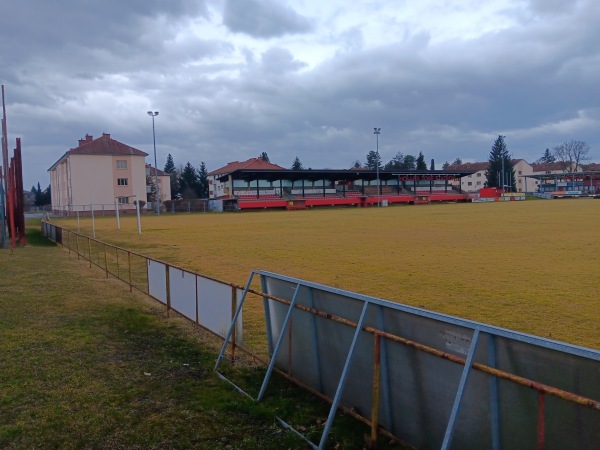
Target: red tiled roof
{"type": "Point", "coordinates": [592, 167]}
{"type": "Point", "coordinates": [159, 172]}
{"type": "Point", "coordinates": [104, 145]}
{"type": "Point", "coordinates": [478, 165]}
{"type": "Point", "coordinates": [470, 166]}
{"type": "Point", "coordinates": [252, 163]}
{"type": "Point", "coordinates": [548, 167]}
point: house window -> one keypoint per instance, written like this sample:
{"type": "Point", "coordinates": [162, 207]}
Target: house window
{"type": "Point", "coordinates": [123, 200]}
{"type": "Point", "coordinates": [121, 164]}
{"type": "Point", "coordinates": [122, 182]}
{"type": "Point", "coordinates": [479, 183]}
{"type": "Point", "coordinates": [520, 172]}
{"type": "Point", "coordinates": [469, 183]}
{"type": "Point", "coordinates": [479, 174]}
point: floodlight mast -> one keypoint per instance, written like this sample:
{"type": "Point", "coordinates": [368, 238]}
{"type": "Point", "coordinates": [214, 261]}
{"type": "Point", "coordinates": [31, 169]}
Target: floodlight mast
{"type": "Point", "coordinates": [156, 188]}
{"type": "Point", "coordinates": [376, 132]}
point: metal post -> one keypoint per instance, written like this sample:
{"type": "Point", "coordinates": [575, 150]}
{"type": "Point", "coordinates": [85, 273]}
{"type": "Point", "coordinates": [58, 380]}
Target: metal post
{"type": "Point", "coordinates": [156, 189]}
{"type": "Point", "coordinates": [137, 210]}
{"type": "Point", "coordinates": [129, 267]}
{"type": "Point", "coordinates": [376, 133]}
{"type": "Point", "coordinates": [93, 222]}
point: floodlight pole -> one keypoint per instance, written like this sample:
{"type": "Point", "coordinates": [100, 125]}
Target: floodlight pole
{"type": "Point", "coordinates": [376, 132]}
{"type": "Point", "coordinates": [156, 189]}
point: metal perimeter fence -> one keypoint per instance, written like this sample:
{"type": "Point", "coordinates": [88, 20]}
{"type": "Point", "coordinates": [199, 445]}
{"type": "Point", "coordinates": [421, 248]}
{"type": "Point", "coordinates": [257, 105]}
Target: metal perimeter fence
{"type": "Point", "coordinates": [424, 379]}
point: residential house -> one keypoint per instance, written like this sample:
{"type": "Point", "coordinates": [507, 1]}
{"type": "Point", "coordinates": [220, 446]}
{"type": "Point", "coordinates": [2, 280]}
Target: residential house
{"type": "Point", "coordinates": [474, 182]}
{"type": "Point", "coordinates": [98, 171]}
{"type": "Point", "coordinates": [164, 184]}
{"type": "Point", "coordinates": [217, 189]}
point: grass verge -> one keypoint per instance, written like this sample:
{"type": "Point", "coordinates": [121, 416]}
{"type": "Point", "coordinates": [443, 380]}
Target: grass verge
{"type": "Point", "coordinates": [85, 364]}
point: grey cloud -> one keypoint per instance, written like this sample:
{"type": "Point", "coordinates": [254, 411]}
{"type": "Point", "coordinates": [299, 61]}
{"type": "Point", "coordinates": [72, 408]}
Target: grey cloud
{"type": "Point", "coordinates": [263, 18]}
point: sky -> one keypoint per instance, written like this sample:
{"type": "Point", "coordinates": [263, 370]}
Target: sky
{"type": "Point", "coordinates": [300, 78]}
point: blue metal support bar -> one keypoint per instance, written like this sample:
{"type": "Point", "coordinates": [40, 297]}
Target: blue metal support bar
{"type": "Point", "coordinates": [342, 382]}
{"type": "Point", "coordinates": [459, 393]}
{"type": "Point", "coordinates": [267, 308]}
{"type": "Point", "coordinates": [286, 322]}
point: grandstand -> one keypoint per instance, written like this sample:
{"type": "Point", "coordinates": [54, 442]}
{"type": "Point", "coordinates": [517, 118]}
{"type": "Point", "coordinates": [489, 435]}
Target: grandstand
{"type": "Point", "coordinates": [301, 189]}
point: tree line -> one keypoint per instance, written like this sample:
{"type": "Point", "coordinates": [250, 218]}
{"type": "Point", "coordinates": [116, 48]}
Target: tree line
{"type": "Point", "coordinates": [501, 172]}
{"type": "Point", "coordinates": [187, 182]}
{"type": "Point", "coordinates": [41, 197]}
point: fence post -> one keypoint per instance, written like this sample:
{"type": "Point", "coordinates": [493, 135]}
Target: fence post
{"type": "Point", "coordinates": [118, 272]}
{"type": "Point", "coordinates": [90, 250]}
{"type": "Point", "coordinates": [105, 261]}
{"type": "Point", "coordinates": [233, 310]}
{"type": "Point", "coordinates": [540, 424]}
{"type": "Point", "coordinates": [129, 266]}
{"type": "Point", "coordinates": [168, 285]}
{"type": "Point", "coordinates": [77, 244]}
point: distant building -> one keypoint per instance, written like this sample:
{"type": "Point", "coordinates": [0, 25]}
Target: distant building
{"type": "Point", "coordinates": [164, 184]}
{"type": "Point", "coordinates": [97, 171]}
{"type": "Point", "coordinates": [473, 183]}
{"type": "Point", "coordinates": [218, 189]}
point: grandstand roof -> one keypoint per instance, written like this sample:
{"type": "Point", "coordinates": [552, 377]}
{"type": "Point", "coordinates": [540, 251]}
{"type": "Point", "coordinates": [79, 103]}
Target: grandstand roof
{"type": "Point", "coordinates": [338, 175]}
{"type": "Point", "coordinates": [250, 164]}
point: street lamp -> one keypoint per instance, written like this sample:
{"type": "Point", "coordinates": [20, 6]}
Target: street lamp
{"type": "Point", "coordinates": [376, 132]}
{"type": "Point", "coordinates": [156, 188]}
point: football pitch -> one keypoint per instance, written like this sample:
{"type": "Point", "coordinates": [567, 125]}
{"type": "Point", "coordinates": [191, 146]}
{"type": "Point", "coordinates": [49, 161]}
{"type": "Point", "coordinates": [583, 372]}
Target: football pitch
{"type": "Point", "coordinates": [528, 266]}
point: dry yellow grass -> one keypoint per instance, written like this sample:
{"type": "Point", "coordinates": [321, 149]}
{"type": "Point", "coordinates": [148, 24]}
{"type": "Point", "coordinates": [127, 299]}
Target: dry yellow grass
{"type": "Point", "coordinates": [528, 266]}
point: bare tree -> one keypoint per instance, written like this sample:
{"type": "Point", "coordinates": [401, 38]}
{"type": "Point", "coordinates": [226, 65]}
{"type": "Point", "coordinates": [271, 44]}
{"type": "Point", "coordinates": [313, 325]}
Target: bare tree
{"type": "Point", "coordinates": [571, 154]}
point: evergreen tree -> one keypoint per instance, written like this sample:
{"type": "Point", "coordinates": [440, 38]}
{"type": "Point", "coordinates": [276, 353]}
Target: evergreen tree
{"type": "Point", "coordinates": [188, 182]}
{"type": "Point", "coordinates": [169, 165]}
{"type": "Point", "coordinates": [173, 176]}
{"type": "Point", "coordinates": [356, 165]}
{"type": "Point", "coordinates": [500, 171]}
{"type": "Point", "coordinates": [457, 162]}
{"type": "Point", "coordinates": [297, 165]}
{"type": "Point", "coordinates": [445, 165]}
{"type": "Point", "coordinates": [421, 165]}
{"type": "Point", "coordinates": [409, 163]}
{"type": "Point", "coordinates": [548, 157]}
{"type": "Point", "coordinates": [264, 157]}
{"type": "Point", "coordinates": [39, 196]}
{"type": "Point", "coordinates": [373, 160]}
{"type": "Point", "coordinates": [202, 190]}
{"type": "Point", "coordinates": [396, 162]}
{"type": "Point", "coordinates": [432, 166]}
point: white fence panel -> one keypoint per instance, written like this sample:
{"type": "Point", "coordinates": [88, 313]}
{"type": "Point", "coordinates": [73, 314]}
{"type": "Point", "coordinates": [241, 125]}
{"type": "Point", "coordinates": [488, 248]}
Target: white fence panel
{"type": "Point", "coordinates": [157, 280]}
{"type": "Point", "coordinates": [215, 307]}
{"type": "Point", "coordinates": [182, 286]}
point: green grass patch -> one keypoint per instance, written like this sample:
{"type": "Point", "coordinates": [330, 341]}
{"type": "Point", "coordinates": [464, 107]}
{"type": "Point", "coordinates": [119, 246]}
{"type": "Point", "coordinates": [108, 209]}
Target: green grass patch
{"type": "Point", "coordinates": [86, 364]}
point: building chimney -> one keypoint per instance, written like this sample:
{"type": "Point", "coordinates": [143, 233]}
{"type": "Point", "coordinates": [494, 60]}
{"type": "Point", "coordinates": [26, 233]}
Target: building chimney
{"type": "Point", "coordinates": [88, 138]}
{"type": "Point", "coordinates": [81, 142]}
{"type": "Point", "coordinates": [106, 135]}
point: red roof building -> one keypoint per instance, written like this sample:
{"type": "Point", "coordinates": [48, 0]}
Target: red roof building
{"type": "Point", "coordinates": [97, 172]}
{"type": "Point", "coordinates": [217, 189]}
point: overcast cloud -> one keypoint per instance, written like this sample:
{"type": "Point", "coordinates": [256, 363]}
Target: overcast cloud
{"type": "Point", "coordinates": [234, 78]}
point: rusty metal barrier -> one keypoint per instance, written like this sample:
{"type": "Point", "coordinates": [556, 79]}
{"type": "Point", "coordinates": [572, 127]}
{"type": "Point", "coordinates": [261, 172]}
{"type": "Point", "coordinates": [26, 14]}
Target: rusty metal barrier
{"type": "Point", "coordinates": [132, 268]}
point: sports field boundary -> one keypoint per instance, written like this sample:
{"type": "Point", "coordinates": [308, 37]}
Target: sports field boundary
{"type": "Point", "coordinates": [97, 253]}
